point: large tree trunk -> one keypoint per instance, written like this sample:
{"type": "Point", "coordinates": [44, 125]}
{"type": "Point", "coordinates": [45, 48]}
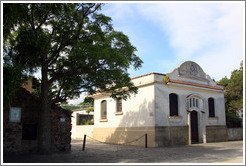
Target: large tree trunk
{"type": "Point", "coordinates": [45, 115]}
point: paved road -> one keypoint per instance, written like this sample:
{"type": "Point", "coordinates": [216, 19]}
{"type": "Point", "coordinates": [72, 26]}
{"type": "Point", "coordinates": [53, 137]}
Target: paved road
{"type": "Point", "coordinates": [223, 152]}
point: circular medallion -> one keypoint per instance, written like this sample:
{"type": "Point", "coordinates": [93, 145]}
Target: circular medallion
{"type": "Point", "coordinates": [192, 68]}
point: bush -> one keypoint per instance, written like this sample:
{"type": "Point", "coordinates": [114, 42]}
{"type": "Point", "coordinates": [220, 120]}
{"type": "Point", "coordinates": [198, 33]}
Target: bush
{"type": "Point", "coordinates": [233, 120]}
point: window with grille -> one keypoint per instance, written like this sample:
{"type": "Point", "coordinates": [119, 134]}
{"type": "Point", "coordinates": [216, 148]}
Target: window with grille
{"type": "Point", "coordinates": [194, 102]}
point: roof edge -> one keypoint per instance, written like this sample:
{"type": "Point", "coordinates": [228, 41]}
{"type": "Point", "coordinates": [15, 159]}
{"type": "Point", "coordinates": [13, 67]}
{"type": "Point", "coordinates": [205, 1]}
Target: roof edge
{"type": "Point", "coordinates": [148, 75]}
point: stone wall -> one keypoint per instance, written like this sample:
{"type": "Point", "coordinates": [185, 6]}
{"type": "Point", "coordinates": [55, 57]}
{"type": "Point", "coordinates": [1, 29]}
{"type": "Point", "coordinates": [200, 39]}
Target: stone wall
{"type": "Point", "coordinates": [171, 135]}
{"type": "Point", "coordinates": [216, 133]}
{"type": "Point", "coordinates": [235, 134]}
{"type": "Point", "coordinates": [15, 134]}
{"type": "Point", "coordinates": [61, 129]}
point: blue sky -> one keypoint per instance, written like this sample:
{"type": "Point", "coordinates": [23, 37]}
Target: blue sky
{"type": "Point", "coordinates": [166, 34]}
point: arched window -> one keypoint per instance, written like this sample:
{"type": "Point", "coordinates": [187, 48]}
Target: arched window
{"type": "Point", "coordinates": [104, 109]}
{"type": "Point", "coordinates": [211, 107]}
{"type": "Point", "coordinates": [194, 102]}
{"type": "Point", "coordinates": [119, 105]}
{"type": "Point", "coordinates": [173, 102]}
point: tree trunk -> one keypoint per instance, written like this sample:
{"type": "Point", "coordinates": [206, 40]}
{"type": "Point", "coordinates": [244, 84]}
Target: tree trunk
{"type": "Point", "coordinates": [45, 115]}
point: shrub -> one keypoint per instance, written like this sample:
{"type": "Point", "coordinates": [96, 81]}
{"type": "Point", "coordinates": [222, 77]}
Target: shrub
{"type": "Point", "coordinates": [233, 120]}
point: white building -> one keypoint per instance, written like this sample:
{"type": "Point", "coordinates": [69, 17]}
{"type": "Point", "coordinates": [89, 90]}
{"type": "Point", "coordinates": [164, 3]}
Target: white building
{"type": "Point", "coordinates": [78, 128]}
{"type": "Point", "coordinates": [181, 107]}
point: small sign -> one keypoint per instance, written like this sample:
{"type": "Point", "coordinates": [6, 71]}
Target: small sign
{"type": "Point", "coordinates": [62, 119]}
{"type": "Point", "coordinates": [15, 114]}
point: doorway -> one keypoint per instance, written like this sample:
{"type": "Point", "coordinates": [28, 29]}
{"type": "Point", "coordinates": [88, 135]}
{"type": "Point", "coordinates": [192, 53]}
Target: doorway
{"type": "Point", "coordinates": [194, 127]}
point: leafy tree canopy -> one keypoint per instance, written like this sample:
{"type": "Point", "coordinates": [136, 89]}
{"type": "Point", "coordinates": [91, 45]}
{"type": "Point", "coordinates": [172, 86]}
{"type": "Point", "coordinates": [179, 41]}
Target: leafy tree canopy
{"type": "Point", "coordinates": [87, 101]}
{"type": "Point", "coordinates": [74, 46]}
{"type": "Point", "coordinates": [234, 98]}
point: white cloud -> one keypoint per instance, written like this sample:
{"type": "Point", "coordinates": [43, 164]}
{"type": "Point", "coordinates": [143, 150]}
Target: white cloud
{"type": "Point", "coordinates": [78, 100]}
{"type": "Point", "coordinates": [210, 34]}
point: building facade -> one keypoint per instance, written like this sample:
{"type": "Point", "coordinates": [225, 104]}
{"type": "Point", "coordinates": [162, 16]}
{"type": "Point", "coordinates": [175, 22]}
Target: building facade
{"type": "Point", "coordinates": [181, 107]}
{"type": "Point", "coordinates": [80, 125]}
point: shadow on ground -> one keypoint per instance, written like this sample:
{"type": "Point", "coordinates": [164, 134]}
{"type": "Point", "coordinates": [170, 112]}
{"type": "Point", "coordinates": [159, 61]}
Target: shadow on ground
{"type": "Point", "coordinates": [104, 153]}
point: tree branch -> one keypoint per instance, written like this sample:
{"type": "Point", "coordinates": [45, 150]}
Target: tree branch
{"type": "Point", "coordinates": [64, 43]}
{"type": "Point", "coordinates": [32, 20]}
{"type": "Point", "coordinates": [43, 21]}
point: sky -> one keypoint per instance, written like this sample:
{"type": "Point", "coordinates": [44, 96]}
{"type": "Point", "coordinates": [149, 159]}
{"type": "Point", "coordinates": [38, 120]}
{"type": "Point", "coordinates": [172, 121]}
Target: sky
{"type": "Point", "coordinates": [166, 34]}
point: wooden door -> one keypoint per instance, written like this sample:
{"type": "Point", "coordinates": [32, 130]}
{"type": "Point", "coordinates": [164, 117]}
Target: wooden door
{"type": "Point", "coordinates": [194, 127]}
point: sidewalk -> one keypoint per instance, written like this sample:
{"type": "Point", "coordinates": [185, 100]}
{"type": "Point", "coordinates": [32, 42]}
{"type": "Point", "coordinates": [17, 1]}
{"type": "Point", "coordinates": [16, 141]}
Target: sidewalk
{"type": "Point", "coordinates": [223, 152]}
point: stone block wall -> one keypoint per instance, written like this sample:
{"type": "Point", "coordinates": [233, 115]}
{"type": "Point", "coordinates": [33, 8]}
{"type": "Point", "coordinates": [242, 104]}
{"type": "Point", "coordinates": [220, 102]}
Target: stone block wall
{"type": "Point", "coordinates": [235, 134]}
{"type": "Point", "coordinates": [14, 140]}
{"type": "Point", "coordinates": [171, 135]}
{"type": "Point", "coordinates": [216, 133]}
{"type": "Point", "coordinates": [61, 129]}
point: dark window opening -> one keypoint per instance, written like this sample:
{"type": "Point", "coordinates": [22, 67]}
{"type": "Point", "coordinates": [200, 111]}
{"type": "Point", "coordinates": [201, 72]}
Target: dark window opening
{"type": "Point", "coordinates": [84, 119]}
{"type": "Point", "coordinates": [29, 132]}
{"type": "Point", "coordinates": [173, 102]}
{"type": "Point", "coordinates": [211, 107]}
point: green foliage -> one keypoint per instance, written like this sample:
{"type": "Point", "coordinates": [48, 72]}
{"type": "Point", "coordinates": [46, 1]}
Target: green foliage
{"type": "Point", "coordinates": [70, 107]}
{"type": "Point", "coordinates": [233, 120]}
{"type": "Point", "coordinates": [166, 79]}
{"type": "Point", "coordinates": [12, 81]}
{"type": "Point", "coordinates": [36, 86]}
{"type": "Point", "coordinates": [14, 76]}
{"type": "Point", "coordinates": [12, 16]}
{"type": "Point", "coordinates": [86, 122]}
{"type": "Point", "coordinates": [90, 110]}
{"type": "Point", "coordinates": [234, 98]}
{"type": "Point", "coordinates": [75, 44]}
{"type": "Point", "coordinates": [88, 102]}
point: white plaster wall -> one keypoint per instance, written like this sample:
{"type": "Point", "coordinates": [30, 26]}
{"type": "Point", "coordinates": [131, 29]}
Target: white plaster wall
{"type": "Point", "coordinates": [81, 130]}
{"type": "Point", "coordinates": [147, 79]}
{"type": "Point", "coordinates": [162, 106]}
{"type": "Point", "coordinates": [78, 131]}
{"type": "Point", "coordinates": [162, 92]}
{"type": "Point", "coordinates": [73, 121]}
{"type": "Point", "coordinates": [150, 106]}
{"type": "Point", "coordinates": [138, 111]}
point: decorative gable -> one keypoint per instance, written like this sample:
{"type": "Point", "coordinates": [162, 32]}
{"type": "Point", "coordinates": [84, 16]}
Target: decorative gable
{"type": "Point", "coordinates": [191, 70]}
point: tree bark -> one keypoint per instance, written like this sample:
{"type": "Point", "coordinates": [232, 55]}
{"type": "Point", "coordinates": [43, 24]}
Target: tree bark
{"type": "Point", "coordinates": [45, 115]}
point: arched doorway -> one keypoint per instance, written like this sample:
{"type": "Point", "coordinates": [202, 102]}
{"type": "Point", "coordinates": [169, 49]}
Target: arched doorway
{"type": "Point", "coordinates": [194, 127]}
